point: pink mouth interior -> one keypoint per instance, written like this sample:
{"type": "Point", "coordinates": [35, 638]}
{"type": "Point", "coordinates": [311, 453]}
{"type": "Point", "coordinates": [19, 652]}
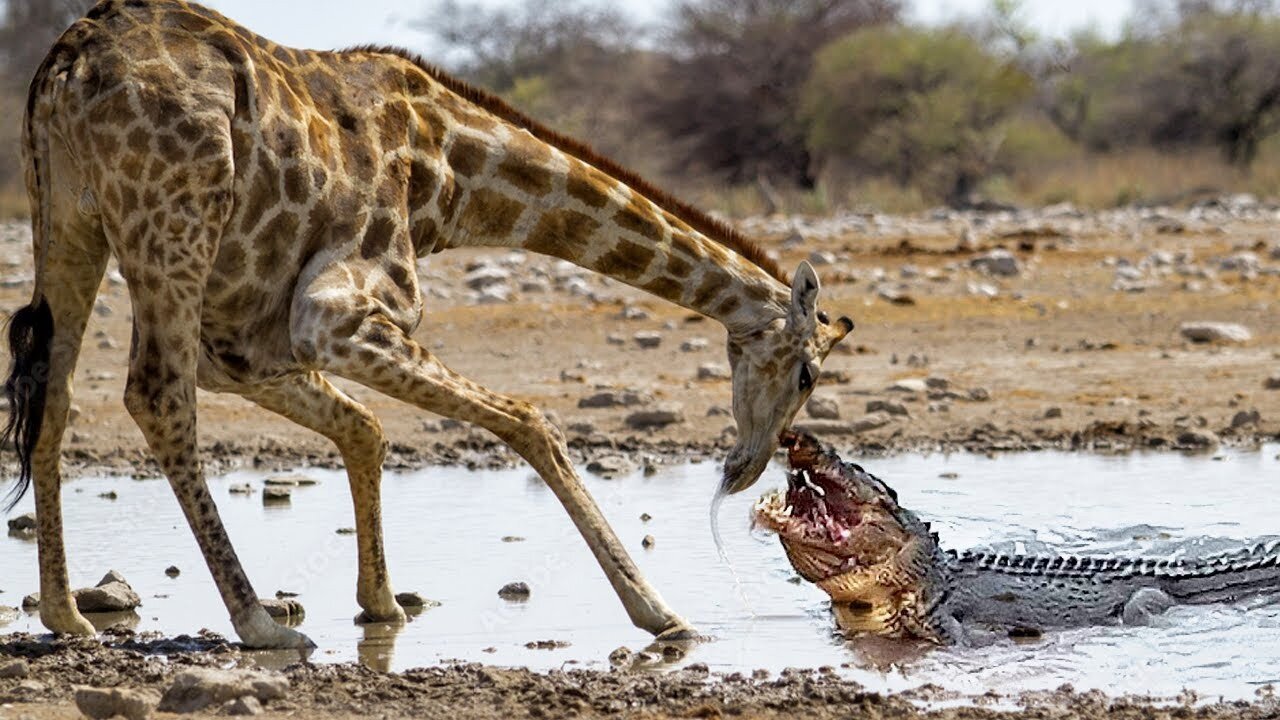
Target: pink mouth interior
{"type": "Point", "coordinates": [828, 508]}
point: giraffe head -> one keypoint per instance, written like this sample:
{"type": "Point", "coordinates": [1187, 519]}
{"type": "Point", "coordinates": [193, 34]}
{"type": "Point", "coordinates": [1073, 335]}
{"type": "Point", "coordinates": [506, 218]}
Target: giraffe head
{"type": "Point", "coordinates": [774, 371]}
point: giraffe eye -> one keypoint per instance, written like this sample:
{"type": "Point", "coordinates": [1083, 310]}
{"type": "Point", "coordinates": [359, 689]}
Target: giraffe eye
{"type": "Point", "coordinates": [806, 377]}
{"type": "Point", "coordinates": [824, 318]}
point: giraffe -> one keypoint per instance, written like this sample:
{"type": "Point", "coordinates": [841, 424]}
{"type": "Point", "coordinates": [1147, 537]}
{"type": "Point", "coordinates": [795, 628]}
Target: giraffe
{"type": "Point", "coordinates": [267, 206]}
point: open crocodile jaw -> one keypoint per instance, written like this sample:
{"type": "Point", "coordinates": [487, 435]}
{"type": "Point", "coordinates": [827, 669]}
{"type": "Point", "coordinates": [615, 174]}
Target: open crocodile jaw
{"type": "Point", "coordinates": [817, 510]}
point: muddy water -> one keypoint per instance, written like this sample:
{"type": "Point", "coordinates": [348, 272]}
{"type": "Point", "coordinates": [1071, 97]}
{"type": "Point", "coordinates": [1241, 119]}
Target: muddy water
{"type": "Point", "coordinates": [458, 536]}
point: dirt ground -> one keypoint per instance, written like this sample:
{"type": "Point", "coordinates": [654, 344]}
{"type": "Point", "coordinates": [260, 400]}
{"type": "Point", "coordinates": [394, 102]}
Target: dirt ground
{"type": "Point", "coordinates": [1078, 348]}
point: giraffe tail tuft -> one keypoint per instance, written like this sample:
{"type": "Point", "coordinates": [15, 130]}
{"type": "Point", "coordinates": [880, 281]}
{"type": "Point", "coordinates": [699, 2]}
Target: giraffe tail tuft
{"type": "Point", "coordinates": [30, 341]}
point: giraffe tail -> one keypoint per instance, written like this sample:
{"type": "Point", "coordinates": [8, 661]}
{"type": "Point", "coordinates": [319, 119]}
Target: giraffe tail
{"type": "Point", "coordinates": [31, 327]}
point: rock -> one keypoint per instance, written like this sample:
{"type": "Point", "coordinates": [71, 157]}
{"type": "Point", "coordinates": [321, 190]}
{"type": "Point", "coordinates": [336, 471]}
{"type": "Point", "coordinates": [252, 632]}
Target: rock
{"type": "Point", "coordinates": [1053, 412]}
{"type": "Point", "coordinates": [621, 656]}
{"type": "Point", "coordinates": [895, 295]}
{"type": "Point", "coordinates": [196, 689]}
{"type": "Point", "coordinates": [240, 489]}
{"type": "Point", "coordinates": [111, 594]}
{"type": "Point", "coordinates": [713, 371]}
{"type": "Point", "coordinates": [888, 406]}
{"type": "Point", "coordinates": [934, 382]}
{"type": "Point", "coordinates": [647, 542]}
{"type": "Point", "coordinates": [274, 495]}
{"type": "Point", "coordinates": [979, 394]}
{"type": "Point", "coordinates": [648, 339]}
{"type": "Point", "coordinates": [13, 669]}
{"type": "Point", "coordinates": [515, 591]}
{"type": "Point", "coordinates": [24, 525]}
{"type": "Point", "coordinates": [645, 517]}
{"type": "Point", "coordinates": [1197, 439]}
{"type": "Point", "coordinates": [822, 408]}
{"type": "Point", "coordinates": [8, 615]}
{"type": "Point", "coordinates": [657, 417]}
{"type": "Point", "coordinates": [1246, 418]}
{"type": "Point", "coordinates": [1272, 383]}
{"type": "Point", "coordinates": [286, 608]}
{"type": "Point", "coordinates": [819, 258]}
{"type": "Point", "coordinates": [694, 345]}
{"type": "Point", "coordinates": [997, 262]}
{"type": "Point", "coordinates": [247, 705]}
{"type": "Point", "coordinates": [836, 427]}
{"type": "Point", "coordinates": [345, 531]}
{"type": "Point", "coordinates": [414, 600]}
{"type": "Point", "coordinates": [172, 571]}
{"type": "Point", "coordinates": [612, 399]}
{"type": "Point", "coordinates": [31, 601]}
{"type": "Point", "coordinates": [1215, 332]}
{"type": "Point", "coordinates": [486, 276]}
{"type": "Point", "coordinates": [103, 703]}
{"type": "Point", "coordinates": [290, 481]}
{"type": "Point", "coordinates": [610, 466]}
{"type": "Point", "coordinates": [870, 421]}
{"type": "Point", "coordinates": [909, 385]}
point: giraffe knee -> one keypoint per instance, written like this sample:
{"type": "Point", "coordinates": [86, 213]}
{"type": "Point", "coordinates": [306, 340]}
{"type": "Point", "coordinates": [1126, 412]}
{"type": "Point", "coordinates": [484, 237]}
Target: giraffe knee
{"type": "Point", "coordinates": [365, 438]}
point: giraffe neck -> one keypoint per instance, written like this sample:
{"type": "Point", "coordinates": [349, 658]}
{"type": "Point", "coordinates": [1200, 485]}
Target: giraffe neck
{"type": "Point", "coordinates": [525, 193]}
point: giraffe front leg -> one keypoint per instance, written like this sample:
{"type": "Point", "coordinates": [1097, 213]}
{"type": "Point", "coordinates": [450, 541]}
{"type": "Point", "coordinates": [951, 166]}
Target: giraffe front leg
{"type": "Point", "coordinates": [313, 402]}
{"type": "Point", "coordinates": [380, 355]}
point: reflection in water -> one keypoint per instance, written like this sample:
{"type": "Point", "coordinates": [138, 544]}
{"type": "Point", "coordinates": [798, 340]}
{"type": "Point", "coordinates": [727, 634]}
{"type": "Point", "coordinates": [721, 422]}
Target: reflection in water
{"type": "Point", "coordinates": [125, 620]}
{"type": "Point", "coordinates": [1045, 502]}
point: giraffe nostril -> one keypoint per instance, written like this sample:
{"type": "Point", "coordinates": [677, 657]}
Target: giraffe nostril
{"type": "Point", "coordinates": [846, 323]}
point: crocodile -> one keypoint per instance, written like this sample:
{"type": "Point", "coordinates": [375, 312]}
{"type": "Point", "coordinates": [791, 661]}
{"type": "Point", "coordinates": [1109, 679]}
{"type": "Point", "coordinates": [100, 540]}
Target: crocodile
{"type": "Point", "coordinates": [888, 575]}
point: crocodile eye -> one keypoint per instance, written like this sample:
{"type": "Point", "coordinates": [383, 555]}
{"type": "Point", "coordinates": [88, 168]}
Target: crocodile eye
{"type": "Point", "coordinates": [806, 377]}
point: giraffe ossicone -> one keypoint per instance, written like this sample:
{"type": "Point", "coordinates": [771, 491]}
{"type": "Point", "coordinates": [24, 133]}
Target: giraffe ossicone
{"type": "Point", "coordinates": [267, 206]}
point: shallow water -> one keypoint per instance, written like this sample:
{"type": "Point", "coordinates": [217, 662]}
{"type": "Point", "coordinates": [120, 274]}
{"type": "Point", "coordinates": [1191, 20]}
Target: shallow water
{"type": "Point", "coordinates": [445, 530]}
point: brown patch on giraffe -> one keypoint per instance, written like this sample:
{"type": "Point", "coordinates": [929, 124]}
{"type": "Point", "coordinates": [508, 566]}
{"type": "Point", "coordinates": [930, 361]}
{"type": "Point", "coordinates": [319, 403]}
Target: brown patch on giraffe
{"type": "Point", "coordinates": [489, 214]}
{"type": "Point", "coordinates": [665, 287]}
{"type": "Point", "coordinates": [728, 306]}
{"type": "Point", "coordinates": [105, 143]}
{"type": "Point", "coordinates": [490, 103]}
{"type": "Point", "coordinates": [170, 149]}
{"type": "Point", "coordinates": [468, 155]}
{"type": "Point", "coordinates": [626, 260]}
{"type": "Point", "coordinates": [678, 267]}
{"type": "Point", "coordinates": [714, 279]}
{"type": "Point", "coordinates": [295, 184]}
{"type": "Point", "coordinates": [588, 185]}
{"type": "Point", "coordinates": [524, 165]}
{"type": "Point", "coordinates": [402, 277]}
{"type": "Point", "coordinates": [115, 110]}
{"type": "Point", "coordinates": [562, 233]}
{"type": "Point", "coordinates": [377, 238]}
{"type": "Point", "coordinates": [262, 193]}
{"type": "Point", "coordinates": [640, 218]}
{"type": "Point", "coordinates": [138, 140]}
{"type": "Point", "coordinates": [393, 124]}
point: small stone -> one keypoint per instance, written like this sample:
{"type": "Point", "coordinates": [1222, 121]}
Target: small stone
{"type": "Point", "coordinates": [621, 656]}
{"type": "Point", "coordinates": [822, 408]}
{"type": "Point", "coordinates": [1246, 418]}
{"type": "Point", "coordinates": [1053, 412]}
{"type": "Point", "coordinates": [819, 258]}
{"type": "Point", "coordinates": [934, 382]}
{"type": "Point", "coordinates": [1215, 332]}
{"type": "Point", "coordinates": [240, 489]}
{"type": "Point", "coordinates": [610, 466]}
{"type": "Point", "coordinates": [172, 571]}
{"type": "Point", "coordinates": [486, 276]}
{"type": "Point", "coordinates": [514, 591]}
{"type": "Point", "coordinates": [888, 406]}
{"type": "Point", "coordinates": [415, 600]}
{"type": "Point", "coordinates": [345, 531]}
{"type": "Point", "coordinates": [31, 601]}
{"type": "Point", "coordinates": [23, 526]}
{"type": "Point", "coordinates": [12, 669]}
{"type": "Point", "coordinates": [273, 495]}
{"type": "Point", "coordinates": [909, 385]}
{"type": "Point", "coordinates": [979, 394]}
{"type": "Point", "coordinates": [196, 689]}
{"type": "Point", "coordinates": [1197, 439]}
{"type": "Point", "coordinates": [612, 399]}
{"type": "Point", "coordinates": [512, 539]}
{"type": "Point", "coordinates": [872, 421]}
{"type": "Point", "coordinates": [111, 594]}
{"type": "Point", "coordinates": [713, 371]}
{"type": "Point", "coordinates": [657, 417]}
{"type": "Point", "coordinates": [290, 481]}
{"type": "Point", "coordinates": [247, 705]}
{"type": "Point", "coordinates": [647, 542]}
{"type": "Point", "coordinates": [648, 339]}
{"type": "Point", "coordinates": [1272, 383]}
{"type": "Point", "coordinates": [694, 345]}
{"type": "Point", "coordinates": [997, 262]}
{"type": "Point", "coordinates": [287, 608]}
{"type": "Point", "coordinates": [103, 703]}
{"type": "Point", "coordinates": [645, 517]}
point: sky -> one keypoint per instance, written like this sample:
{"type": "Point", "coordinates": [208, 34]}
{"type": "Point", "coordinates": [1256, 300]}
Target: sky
{"type": "Point", "coordinates": [327, 24]}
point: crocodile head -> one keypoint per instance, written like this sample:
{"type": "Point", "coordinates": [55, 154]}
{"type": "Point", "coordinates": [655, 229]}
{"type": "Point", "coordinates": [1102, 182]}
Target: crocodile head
{"type": "Point", "coordinates": [833, 518]}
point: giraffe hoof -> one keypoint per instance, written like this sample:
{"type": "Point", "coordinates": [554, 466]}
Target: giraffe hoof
{"type": "Point", "coordinates": [261, 632]}
{"type": "Point", "coordinates": [395, 617]}
{"type": "Point", "coordinates": [72, 624]}
{"type": "Point", "coordinates": [679, 633]}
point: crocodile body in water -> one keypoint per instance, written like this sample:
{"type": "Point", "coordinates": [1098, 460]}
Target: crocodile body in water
{"type": "Point", "coordinates": [843, 529]}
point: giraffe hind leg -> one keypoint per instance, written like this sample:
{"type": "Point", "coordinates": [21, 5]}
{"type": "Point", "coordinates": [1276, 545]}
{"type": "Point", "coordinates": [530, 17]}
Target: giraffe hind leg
{"type": "Point", "coordinates": [313, 402]}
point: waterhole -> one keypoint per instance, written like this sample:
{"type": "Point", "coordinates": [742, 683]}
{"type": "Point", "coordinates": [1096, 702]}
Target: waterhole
{"type": "Point", "coordinates": [458, 536]}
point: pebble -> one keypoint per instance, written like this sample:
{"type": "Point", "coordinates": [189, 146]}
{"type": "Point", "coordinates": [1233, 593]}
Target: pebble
{"type": "Point", "coordinates": [656, 417]}
{"type": "Point", "coordinates": [415, 600]}
{"type": "Point", "coordinates": [23, 526]}
{"type": "Point", "coordinates": [1198, 439]}
{"type": "Point", "coordinates": [713, 371]}
{"type": "Point", "coordinates": [979, 394]}
{"type": "Point", "coordinates": [888, 406]}
{"type": "Point", "coordinates": [648, 339]}
{"type": "Point", "coordinates": [1245, 418]}
{"type": "Point", "coordinates": [111, 594]}
{"type": "Point", "coordinates": [172, 571]}
{"type": "Point", "coordinates": [196, 689]}
{"type": "Point", "coordinates": [290, 481]}
{"type": "Point", "coordinates": [909, 385]}
{"type": "Point", "coordinates": [240, 489]}
{"type": "Point", "coordinates": [614, 399]}
{"type": "Point", "coordinates": [694, 345]}
{"type": "Point", "coordinates": [1053, 412]}
{"type": "Point", "coordinates": [1215, 332]}
{"type": "Point", "coordinates": [647, 542]}
{"type": "Point", "coordinates": [12, 669]}
{"type": "Point", "coordinates": [1272, 383]}
{"type": "Point", "coordinates": [287, 608]}
{"type": "Point", "coordinates": [247, 705]}
{"type": "Point", "coordinates": [621, 656]}
{"type": "Point", "coordinates": [822, 408]}
{"type": "Point", "coordinates": [610, 466]}
{"type": "Point", "coordinates": [103, 703]}
{"type": "Point", "coordinates": [516, 591]}
{"type": "Point", "coordinates": [273, 495]}
{"type": "Point", "coordinates": [486, 276]}
{"type": "Point", "coordinates": [997, 262]}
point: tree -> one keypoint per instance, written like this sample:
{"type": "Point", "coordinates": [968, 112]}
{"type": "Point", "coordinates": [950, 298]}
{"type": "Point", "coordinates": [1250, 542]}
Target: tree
{"type": "Point", "coordinates": [924, 107]}
{"type": "Point", "coordinates": [732, 81]}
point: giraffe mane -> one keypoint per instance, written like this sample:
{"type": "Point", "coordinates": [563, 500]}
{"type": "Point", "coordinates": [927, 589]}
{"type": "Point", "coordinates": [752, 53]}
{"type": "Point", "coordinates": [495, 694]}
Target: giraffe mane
{"type": "Point", "coordinates": [699, 220]}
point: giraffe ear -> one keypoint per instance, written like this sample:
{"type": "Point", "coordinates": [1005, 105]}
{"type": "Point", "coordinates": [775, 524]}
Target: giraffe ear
{"type": "Point", "coordinates": [804, 296]}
